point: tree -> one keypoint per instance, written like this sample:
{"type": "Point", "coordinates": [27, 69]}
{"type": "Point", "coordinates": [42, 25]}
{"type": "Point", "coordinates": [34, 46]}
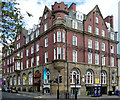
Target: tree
{"type": "Point", "coordinates": [11, 22]}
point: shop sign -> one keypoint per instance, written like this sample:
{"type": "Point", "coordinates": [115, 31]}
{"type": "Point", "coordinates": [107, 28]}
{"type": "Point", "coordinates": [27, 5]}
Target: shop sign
{"type": "Point", "coordinates": [96, 80]}
{"type": "Point", "coordinates": [37, 75]}
{"type": "Point", "coordinates": [46, 86]}
{"type": "Point", "coordinates": [88, 85]}
{"type": "Point", "coordinates": [27, 82]}
{"type": "Point", "coordinates": [25, 78]}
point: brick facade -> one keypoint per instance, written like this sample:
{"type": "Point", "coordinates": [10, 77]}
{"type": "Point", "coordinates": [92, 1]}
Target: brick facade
{"type": "Point", "coordinates": [61, 18]}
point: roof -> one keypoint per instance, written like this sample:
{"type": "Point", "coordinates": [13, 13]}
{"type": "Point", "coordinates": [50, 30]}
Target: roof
{"type": "Point", "coordinates": [95, 9]}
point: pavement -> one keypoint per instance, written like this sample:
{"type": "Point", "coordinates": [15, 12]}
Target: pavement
{"type": "Point", "coordinates": [39, 95]}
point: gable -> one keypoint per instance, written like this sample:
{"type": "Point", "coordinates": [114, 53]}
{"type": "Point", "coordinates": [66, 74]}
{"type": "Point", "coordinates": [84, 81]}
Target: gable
{"type": "Point", "coordinates": [97, 11]}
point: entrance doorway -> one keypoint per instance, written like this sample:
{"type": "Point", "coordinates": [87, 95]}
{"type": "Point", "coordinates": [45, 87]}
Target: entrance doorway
{"type": "Point", "coordinates": [73, 91]}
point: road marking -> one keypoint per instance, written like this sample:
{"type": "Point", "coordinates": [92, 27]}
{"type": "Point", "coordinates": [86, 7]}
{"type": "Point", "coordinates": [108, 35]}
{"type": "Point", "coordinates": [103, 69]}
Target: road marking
{"type": "Point", "coordinates": [18, 94]}
{"type": "Point", "coordinates": [38, 97]}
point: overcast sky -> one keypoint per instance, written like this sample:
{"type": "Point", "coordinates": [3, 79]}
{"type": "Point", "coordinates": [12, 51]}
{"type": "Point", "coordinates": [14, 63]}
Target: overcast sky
{"type": "Point", "coordinates": [36, 7]}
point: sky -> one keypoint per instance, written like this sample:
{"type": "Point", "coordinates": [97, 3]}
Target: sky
{"type": "Point", "coordinates": [36, 8]}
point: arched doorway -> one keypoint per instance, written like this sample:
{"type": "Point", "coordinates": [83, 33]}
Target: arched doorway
{"type": "Point", "coordinates": [37, 81]}
{"type": "Point", "coordinates": [75, 77]}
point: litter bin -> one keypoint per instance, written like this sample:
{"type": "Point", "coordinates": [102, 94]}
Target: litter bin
{"type": "Point", "coordinates": [118, 92]}
{"type": "Point", "coordinates": [111, 93]}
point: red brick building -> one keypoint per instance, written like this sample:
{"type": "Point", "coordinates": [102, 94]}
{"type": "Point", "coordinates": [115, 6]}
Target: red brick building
{"type": "Point", "coordinates": [68, 43]}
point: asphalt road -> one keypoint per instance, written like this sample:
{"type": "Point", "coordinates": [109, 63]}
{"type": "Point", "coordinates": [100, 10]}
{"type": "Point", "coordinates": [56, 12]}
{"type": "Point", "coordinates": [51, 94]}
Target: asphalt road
{"type": "Point", "coordinates": [17, 96]}
{"type": "Point", "coordinates": [6, 95]}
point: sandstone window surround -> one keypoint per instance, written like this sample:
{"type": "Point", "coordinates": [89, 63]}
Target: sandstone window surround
{"type": "Point", "coordinates": [89, 43]}
{"type": "Point", "coordinates": [63, 53]}
{"type": "Point", "coordinates": [54, 53]}
{"type": "Point", "coordinates": [97, 59]}
{"type": "Point", "coordinates": [32, 62]}
{"type": "Point", "coordinates": [32, 49]}
{"type": "Point", "coordinates": [74, 74]}
{"type": "Point", "coordinates": [30, 78]}
{"type": "Point", "coordinates": [37, 47]}
{"type": "Point", "coordinates": [63, 36]}
{"type": "Point", "coordinates": [113, 77]}
{"type": "Point", "coordinates": [75, 40]}
{"type": "Point", "coordinates": [45, 27]}
{"type": "Point", "coordinates": [96, 45]}
{"type": "Point", "coordinates": [103, 33]}
{"type": "Point", "coordinates": [27, 52]}
{"type": "Point", "coordinates": [103, 46]}
{"type": "Point", "coordinates": [37, 60]}
{"type": "Point", "coordinates": [74, 56]}
{"type": "Point", "coordinates": [58, 36]}
{"type": "Point", "coordinates": [90, 29]}
{"type": "Point", "coordinates": [89, 77]}
{"type": "Point", "coordinates": [74, 24]}
{"type": "Point", "coordinates": [46, 57]}
{"type": "Point", "coordinates": [46, 42]}
{"type": "Point", "coordinates": [24, 81]}
{"type": "Point", "coordinates": [58, 52]}
{"type": "Point", "coordinates": [112, 61]}
{"type": "Point", "coordinates": [97, 30]}
{"type": "Point", "coordinates": [27, 63]}
{"type": "Point", "coordinates": [21, 65]}
{"type": "Point", "coordinates": [103, 77]}
{"type": "Point", "coordinates": [112, 49]}
{"type": "Point", "coordinates": [89, 58]}
{"type": "Point", "coordinates": [96, 20]}
{"type": "Point", "coordinates": [103, 60]}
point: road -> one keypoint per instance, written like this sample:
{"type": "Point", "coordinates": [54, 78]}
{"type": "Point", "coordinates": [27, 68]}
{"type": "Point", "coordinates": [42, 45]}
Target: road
{"type": "Point", "coordinates": [14, 95]}
{"type": "Point", "coordinates": [18, 96]}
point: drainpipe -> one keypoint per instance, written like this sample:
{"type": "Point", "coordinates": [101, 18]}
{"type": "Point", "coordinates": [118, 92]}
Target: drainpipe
{"type": "Point", "coordinates": [67, 94]}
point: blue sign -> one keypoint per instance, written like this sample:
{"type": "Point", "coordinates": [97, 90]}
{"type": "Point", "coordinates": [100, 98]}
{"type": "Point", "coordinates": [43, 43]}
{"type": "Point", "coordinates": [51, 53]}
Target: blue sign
{"type": "Point", "coordinates": [44, 74]}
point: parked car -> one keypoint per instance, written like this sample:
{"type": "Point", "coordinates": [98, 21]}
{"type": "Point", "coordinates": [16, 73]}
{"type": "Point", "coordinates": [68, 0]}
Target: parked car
{"type": "Point", "coordinates": [13, 90]}
{"type": "Point", "coordinates": [4, 89]}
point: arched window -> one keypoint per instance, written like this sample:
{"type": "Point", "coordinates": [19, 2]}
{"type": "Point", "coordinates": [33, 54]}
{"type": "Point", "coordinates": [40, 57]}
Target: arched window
{"type": "Point", "coordinates": [30, 79]}
{"type": "Point", "coordinates": [89, 77]}
{"type": "Point", "coordinates": [15, 80]}
{"type": "Point", "coordinates": [19, 80]}
{"type": "Point", "coordinates": [10, 80]}
{"type": "Point", "coordinates": [24, 82]}
{"type": "Point", "coordinates": [113, 77]}
{"type": "Point", "coordinates": [103, 77]}
{"type": "Point", "coordinates": [75, 73]}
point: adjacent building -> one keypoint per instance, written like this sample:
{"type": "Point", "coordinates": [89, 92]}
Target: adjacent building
{"type": "Point", "coordinates": [119, 44]}
{"type": "Point", "coordinates": [66, 42]}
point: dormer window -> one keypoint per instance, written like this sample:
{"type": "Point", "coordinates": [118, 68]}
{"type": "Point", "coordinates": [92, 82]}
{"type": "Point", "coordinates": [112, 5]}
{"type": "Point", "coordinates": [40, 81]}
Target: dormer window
{"type": "Point", "coordinates": [45, 26]}
{"type": "Point", "coordinates": [112, 35]}
{"type": "Point", "coordinates": [97, 20]}
{"type": "Point", "coordinates": [32, 37]}
{"type": "Point", "coordinates": [46, 15]}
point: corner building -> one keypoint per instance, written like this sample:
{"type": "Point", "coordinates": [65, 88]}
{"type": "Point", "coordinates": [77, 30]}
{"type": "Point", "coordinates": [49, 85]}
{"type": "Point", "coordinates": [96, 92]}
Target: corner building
{"type": "Point", "coordinates": [66, 42]}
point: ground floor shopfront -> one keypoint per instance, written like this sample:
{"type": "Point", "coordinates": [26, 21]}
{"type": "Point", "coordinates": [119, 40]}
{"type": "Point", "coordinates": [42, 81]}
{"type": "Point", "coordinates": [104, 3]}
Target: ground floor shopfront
{"type": "Point", "coordinates": [44, 78]}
